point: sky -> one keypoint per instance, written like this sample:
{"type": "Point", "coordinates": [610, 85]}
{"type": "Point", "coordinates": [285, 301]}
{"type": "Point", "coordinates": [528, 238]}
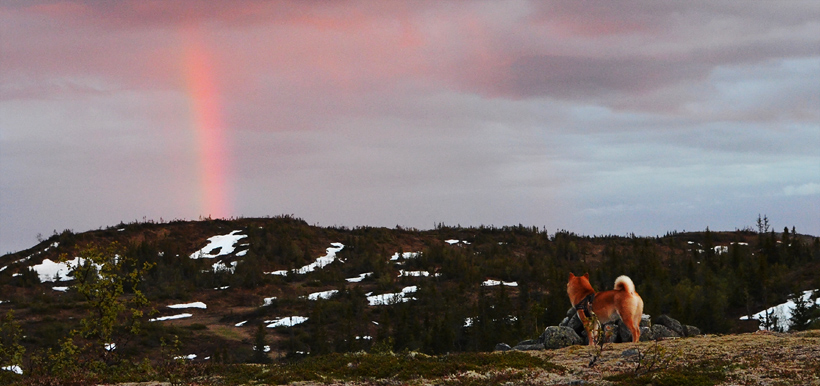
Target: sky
{"type": "Point", "coordinates": [596, 117]}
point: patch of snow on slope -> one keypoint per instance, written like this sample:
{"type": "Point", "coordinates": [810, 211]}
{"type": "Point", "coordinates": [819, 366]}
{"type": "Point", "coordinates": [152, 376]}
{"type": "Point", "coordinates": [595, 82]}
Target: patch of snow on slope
{"type": "Point", "coordinates": [189, 305]}
{"type": "Point", "coordinates": [268, 301]}
{"type": "Point", "coordinates": [172, 317]}
{"type": "Point", "coordinates": [219, 266]}
{"type": "Point", "coordinates": [240, 324]}
{"type": "Point", "coordinates": [392, 298]}
{"type": "Point", "coordinates": [359, 278]}
{"type": "Point", "coordinates": [782, 311]}
{"type": "Point", "coordinates": [288, 321]}
{"type": "Point", "coordinates": [14, 369]}
{"type": "Point", "coordinates": [52, 271]}
{"type": "Point", "coordinates": [60, 289]}
{"type": "Point", "coordinates": [223, 243]}
{"type": "Point", "coordinates": [319, 263]}
{"type": "Point", "coordinates": [491, 283]}
{"type": "Point", "coordinates": [405, 255]}
{"type": "Point", "coordinates": [322, 295]}
{"type": "Point", "coordinates": [416, 273]}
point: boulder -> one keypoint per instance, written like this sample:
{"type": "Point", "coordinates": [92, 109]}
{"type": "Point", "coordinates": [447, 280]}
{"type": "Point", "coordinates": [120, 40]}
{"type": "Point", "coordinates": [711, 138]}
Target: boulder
{"type": "Point", "coordinates": [659, 331]}
{"type": "Point", "coordinates": [672, 324]}
{"type": "Point", "coordinates": [503, 347]}
{"type": "Point", "coordinates": [691, 330]}
{"type": "Point", "coordinates": [555, 337]}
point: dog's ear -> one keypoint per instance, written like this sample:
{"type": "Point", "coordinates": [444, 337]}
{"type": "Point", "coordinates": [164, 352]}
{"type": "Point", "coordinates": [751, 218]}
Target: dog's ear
{"type": "Point", "coordinates": [571, 276]}
{"type": "Point", "coordinates": [586, 275]}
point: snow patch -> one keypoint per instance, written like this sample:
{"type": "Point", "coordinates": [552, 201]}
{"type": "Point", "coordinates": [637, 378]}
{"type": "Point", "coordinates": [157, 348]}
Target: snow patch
{"type": "Point", "coordinates": [14, 369]}
{"type": "Point", "coordinates": [53, 271]}
{"type": "Point", "coordinates": [288, 321]}
{"type": "Point", "coordinates": [240, 324]}
{"type": "Point", "coordinates": [60, 289]}
{"type": "Point", "coordinates": [359, 278]}
{"type": "Point", "coordinates": [268, 301]}
{"type": "Point", "coordinates": [320, 262]}
{"type": "Point", "coordinates": [322, 295]}
{"type": "Point", "coordinates": [222, 244]}
{"type": "Point", "coordinates": [492, 283]}
{"type": "Point", "coordinates": [405, 255]}
{"type": "Point", "coordinates": [782, 311]}
{"type": "Point", "coordinates": [110, 346]}
{"type": "Point", "coordinates": [403, 273]}
{"type": "Point", "coordinates": [392, 298]}
{"type": "Point", "coordinates": [222, 267]}
{"type": "Point", "coordinates": [172, 317]}
{"type": "Point", "coordinates": [189, 305]}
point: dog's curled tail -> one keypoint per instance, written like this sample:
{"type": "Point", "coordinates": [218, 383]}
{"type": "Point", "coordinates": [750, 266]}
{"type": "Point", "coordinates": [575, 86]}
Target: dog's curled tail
{"type": "Point", "coordinates": [624, 283]}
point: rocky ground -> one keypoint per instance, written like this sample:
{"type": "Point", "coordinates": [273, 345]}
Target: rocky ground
{"type": "Point", "coordinates": [761, 358]}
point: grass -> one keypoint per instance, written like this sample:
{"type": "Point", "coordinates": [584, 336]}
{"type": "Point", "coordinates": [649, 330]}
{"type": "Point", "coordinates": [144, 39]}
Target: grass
{"type": "Point", "coordinates": [227, 333]}
{"type": "Point", "coordinates": [398, 367]}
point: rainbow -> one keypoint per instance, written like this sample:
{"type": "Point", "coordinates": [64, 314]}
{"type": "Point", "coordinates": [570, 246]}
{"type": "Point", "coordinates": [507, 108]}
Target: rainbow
{"type": "Point", "coordinates": [208, 126]}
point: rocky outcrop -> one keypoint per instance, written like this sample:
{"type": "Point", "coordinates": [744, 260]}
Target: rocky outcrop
{"type": "Point", "coordinates": [571, 331]}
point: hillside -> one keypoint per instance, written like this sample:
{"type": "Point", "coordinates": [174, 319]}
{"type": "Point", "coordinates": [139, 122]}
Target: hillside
{"type": "Point", "coordinates": [218, 287]}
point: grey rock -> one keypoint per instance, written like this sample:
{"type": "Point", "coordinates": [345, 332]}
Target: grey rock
{"type": "Point", "coordinates": [503, 347]}
{"type": "Point", "coordinates": [630, 353]}
{"type": "Point", "coordinates": [660, 331]}
{"type": "Point", "coordinates": [646, 334]}
{"type": "Point", "coordinates": [691, 330]}
{"type": "Point", "coordinates": [529, 341]}
{"type": "Point", "coordinates": [555, 337]}
{"type": "Point", "coordinates": [671, 324]}
{"type": "Point", "coordinates": [529, 347]}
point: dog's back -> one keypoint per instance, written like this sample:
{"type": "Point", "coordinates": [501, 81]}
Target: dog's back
{"type": "Point", "coordinates": [622, 301]}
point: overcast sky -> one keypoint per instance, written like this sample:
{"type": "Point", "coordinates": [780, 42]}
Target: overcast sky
{"type": "Point", "coordinates": [596, 117]}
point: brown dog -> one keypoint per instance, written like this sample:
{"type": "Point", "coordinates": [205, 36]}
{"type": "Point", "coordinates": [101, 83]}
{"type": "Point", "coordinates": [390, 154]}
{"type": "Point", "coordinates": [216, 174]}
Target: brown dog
{"type": "Point", "coordinates": [622, 301]}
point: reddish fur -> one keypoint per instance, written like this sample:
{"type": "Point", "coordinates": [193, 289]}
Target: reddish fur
{"type": "Point", "coordinates": [622, 301]}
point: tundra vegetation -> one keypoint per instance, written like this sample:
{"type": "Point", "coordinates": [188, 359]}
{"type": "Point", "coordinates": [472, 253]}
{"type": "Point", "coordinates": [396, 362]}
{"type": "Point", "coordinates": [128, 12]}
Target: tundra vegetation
{"type": "Point", "coordinates": [101, 330]}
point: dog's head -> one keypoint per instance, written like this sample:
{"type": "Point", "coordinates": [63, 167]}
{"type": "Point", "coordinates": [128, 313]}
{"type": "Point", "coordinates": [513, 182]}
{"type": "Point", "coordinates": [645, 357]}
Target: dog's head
{"type": "Point", "coordinates": [578, 287]}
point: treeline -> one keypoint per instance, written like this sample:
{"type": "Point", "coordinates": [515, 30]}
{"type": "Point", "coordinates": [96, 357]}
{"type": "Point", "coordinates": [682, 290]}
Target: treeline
{"type": "Point", "coordinates": [707, 279]}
